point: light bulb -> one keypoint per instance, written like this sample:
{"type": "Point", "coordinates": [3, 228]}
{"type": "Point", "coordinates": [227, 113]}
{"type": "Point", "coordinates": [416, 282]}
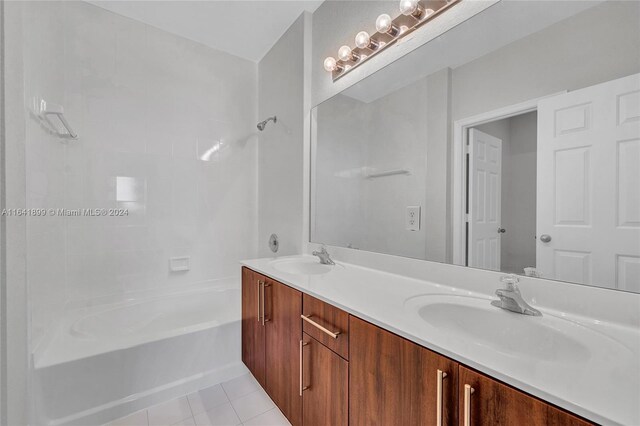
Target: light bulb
{"type": "Point", "coordinates": [410, 7]}
{"type": "Point", "coordinates": [330, 64]}
{"type": "Point", "coordinates": [346, 54]}
{"type": "Point", "coordinates": [429, 12]}
{"type": "Point", "coordinates": [384, 24]}
{"type": "Point", "coordinates": [363, 41]}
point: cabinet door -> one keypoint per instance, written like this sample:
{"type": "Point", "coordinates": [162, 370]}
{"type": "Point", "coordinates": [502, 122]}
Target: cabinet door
{"type": "Point", "coordinates": [325, 381]}
{"type": "Point", "coordinates": [253, 332]}
{"type": "Point", "coordinates": [283, 307]}
{"type": "Point", "coordinates": [489, 402]}
{"type": "Point", "coordinates": [393, 381]}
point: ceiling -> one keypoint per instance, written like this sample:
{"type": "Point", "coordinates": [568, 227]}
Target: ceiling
{"type": "Point", "coordinates": [245, 28]}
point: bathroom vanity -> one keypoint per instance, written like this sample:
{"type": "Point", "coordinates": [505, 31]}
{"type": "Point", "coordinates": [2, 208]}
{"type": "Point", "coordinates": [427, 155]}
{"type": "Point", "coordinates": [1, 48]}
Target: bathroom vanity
{"type": "Point", "coordinates": [312, 342]}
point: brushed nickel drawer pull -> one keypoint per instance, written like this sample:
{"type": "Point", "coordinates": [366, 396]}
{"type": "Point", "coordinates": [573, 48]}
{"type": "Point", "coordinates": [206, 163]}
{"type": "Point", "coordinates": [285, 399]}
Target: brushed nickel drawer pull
{"type": "Point", "coordinates": [441, 376]}
{"type": "Point", "coordinates": [468, 391]}
{"type": "Point", "coordinates": [308, 319]}
{"type": "Point", "coordinates": [302, 387]}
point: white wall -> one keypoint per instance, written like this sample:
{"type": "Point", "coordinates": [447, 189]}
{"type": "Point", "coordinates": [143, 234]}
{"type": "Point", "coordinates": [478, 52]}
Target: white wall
{"type": "Point", "coordinates": [167, 131]}
{"type": "Point", "coordinates": [280, 148]}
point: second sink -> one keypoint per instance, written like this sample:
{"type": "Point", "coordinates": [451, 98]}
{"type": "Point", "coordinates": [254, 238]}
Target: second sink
{"type": "Point", "coordinates": [301, 266]}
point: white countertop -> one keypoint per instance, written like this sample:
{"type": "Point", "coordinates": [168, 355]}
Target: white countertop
{"type": "Point", "coordinates": [603, 387]}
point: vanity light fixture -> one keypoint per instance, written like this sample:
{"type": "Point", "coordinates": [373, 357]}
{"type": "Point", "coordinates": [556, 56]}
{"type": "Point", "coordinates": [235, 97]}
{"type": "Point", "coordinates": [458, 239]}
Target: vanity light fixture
{"type": "Point", "coordinates": [413, 14]}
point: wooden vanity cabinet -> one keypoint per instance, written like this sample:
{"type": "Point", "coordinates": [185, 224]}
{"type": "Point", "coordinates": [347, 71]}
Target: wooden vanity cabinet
{"type": "Point", "coordinates": [319, 315]}
{"type": "Point", "coordinates": [253, 331]}
{"type": "Point", "coordinates": [283, 305]}
{"type": "Point", "coordinates": [338, 370]}
{"type": "Point", "coordinates": [324, 385]}
{"type": "Point", "coordinates": [271, 332]}
{"type": "Point", "coordinates": [393, 381]}
{"type": "Point", "coordinates": [485, 401]}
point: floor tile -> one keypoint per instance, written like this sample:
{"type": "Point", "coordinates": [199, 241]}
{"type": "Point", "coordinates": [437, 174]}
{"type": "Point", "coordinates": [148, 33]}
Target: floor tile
{"type": "Point", "coordinates": [240, 386]}
{"type": "Point", "coordinates": [252, 405]}
{"type": "Point", "coordinates": [223, 415]}
{"type": "Point", "coordinates": [135, 419]}
{"type": "Point", "coordinates": [170, 412]}
{"type": "Point", "coordinates": [271, 418]}
{"type": "Point", "coordinates": [207, 399]}
{"type": "Point", "coordinates": [186, 422]}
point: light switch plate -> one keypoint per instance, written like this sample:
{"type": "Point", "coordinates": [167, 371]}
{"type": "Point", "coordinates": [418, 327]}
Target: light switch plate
{"type": "Point", "coordinates": [412, 218]}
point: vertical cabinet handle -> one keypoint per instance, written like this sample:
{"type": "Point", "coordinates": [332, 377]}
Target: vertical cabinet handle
{"type": "Point", "coordinates": [468, 391]}
{"type": "Point", "coordinates": [440, 378]}
{"type": "Point", "coordinates": [264, 314]}
{"type": "Point", "coordinates": [259, 298]}
{"type": "Point", "coordinates": [302, 387]}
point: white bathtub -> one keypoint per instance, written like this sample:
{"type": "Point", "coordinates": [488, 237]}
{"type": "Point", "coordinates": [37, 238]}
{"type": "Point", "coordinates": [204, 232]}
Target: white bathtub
{"type": "Point", "coordinates": [110, 360]}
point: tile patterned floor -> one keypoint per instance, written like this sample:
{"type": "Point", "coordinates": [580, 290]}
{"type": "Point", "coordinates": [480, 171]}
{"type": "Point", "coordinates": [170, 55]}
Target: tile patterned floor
{"type": "Point", "coordinates": [240, 401]}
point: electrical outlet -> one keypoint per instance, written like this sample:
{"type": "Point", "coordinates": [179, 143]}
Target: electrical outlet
{"type": "Point", "coordinates": [412, 218]}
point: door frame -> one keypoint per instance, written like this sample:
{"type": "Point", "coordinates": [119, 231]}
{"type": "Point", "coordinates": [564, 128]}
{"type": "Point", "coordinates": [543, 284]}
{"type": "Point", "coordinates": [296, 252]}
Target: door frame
{"type": "Point", "coordinates": [460, 140]}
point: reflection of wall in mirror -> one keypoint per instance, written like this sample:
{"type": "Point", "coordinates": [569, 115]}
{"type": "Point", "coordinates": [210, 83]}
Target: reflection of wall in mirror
{"type": "Point", "coordinates": [578, 52]}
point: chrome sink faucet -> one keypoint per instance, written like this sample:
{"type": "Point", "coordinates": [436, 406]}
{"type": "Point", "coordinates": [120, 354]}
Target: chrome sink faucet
{"type": "Point", "coordinates": [511, 299]}
{"type": "Point", "coordinates": [324, 257]}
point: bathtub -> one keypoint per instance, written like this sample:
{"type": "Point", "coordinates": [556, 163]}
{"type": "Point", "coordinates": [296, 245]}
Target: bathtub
{"type": "Point", "coordinates": [109, 360]}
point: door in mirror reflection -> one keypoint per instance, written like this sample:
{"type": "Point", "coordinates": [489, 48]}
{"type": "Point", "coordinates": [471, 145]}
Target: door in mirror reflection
{"type": "Point", "coordinates": [589, 185]}
{"type": "Point", "coordinates": [484, 209]}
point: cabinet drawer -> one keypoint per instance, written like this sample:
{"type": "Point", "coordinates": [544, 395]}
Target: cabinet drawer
{"type": "Point", "coordinates": [323, 321]}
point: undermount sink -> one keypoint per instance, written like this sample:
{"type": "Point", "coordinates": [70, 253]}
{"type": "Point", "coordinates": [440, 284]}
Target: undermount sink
{"type": "Point", "coordinates": [545, 338]}
{"type": "Point", "coordinates": [301, 266]}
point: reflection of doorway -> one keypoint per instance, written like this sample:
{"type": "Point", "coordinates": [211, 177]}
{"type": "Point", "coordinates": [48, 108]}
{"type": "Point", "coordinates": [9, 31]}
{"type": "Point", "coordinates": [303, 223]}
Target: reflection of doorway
{"type": "Point", "coordinates": [502, 194]}
{"type": "Point", "coordinates": [513, 202]}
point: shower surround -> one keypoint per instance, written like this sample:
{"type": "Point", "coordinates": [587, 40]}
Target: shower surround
{"type": "Point", "coordinates": [167, 133]}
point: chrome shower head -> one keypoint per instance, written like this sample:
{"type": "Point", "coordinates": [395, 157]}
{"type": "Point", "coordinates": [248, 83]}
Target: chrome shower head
{"type": "Point", "coordinates": [263, 124]}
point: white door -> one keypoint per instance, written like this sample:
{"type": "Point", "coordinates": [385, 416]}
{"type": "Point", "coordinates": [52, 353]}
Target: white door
{"type": "Point", "coordinates": [588, 198]}
{"type": "Point", "coordinates": [485, 183]}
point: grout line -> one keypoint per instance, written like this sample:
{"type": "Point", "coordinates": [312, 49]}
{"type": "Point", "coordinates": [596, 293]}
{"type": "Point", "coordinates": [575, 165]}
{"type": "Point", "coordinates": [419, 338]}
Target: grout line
{"type": "Point", "coordinates": [190, 407]}
{"type": "Point", "coordinates": [232, 407]}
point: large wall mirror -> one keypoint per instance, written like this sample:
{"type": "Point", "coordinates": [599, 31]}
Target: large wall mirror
{"type": "Point", "coordinates": [509, 143]}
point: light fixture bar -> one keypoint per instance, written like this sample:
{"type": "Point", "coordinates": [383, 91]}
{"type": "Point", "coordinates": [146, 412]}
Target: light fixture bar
{"type": "Point", "coordinates": [414, 15]}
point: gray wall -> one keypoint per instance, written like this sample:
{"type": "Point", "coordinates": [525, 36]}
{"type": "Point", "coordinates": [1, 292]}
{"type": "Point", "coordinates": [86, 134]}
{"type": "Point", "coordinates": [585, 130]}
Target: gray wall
{"type": "Point", "coordinates": [557, 58]}
{"type": "Point", "coordinates": [280, 147]}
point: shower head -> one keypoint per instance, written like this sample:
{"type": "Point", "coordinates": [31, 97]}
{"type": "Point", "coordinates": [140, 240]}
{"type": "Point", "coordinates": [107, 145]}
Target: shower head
{"type": "Point", "coordinates": [263, 124]}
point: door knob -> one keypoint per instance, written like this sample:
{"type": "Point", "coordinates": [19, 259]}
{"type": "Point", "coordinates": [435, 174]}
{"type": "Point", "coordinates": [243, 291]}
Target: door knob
{"type": "Point", "coordinates": [501, 230]}
{"type": "Point", "coordinates": [545, 238]}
